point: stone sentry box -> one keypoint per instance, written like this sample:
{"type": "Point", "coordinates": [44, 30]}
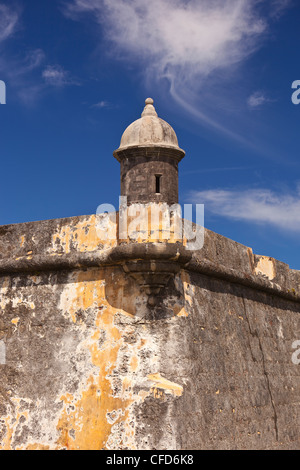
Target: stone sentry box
{"type": "Point", "coordinates": [149, 155]}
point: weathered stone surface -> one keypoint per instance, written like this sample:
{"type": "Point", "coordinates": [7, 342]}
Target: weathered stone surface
{"type": "Point", "coordinates": [139, 167]}
{"type": "Point", "coordinates": [90, 365]}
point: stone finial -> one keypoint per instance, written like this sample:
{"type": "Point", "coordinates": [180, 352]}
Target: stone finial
{"type": "Point", "coordinates": [149, 109]}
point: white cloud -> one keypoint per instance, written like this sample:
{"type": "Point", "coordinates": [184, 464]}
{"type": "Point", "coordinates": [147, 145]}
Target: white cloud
{"type": "Point", "coordinates": [8, 21]}
{"type": "Point", "coordinates": [257, 99]}
{"type": "Point", "coordinates": [261, 206]}
{"type": "Point", "coordinates": [176, 36]}
{"type": "Point", "coordinates": [57, 76]}
{"type": "Point", "coordinates": [194, 44]}
{"type": "Point", "coordinates": [102, 104]}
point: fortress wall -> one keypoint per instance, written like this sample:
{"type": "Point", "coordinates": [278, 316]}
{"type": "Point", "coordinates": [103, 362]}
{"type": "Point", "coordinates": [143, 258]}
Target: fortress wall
{"type": "Point", "coordinates": [85, 363]}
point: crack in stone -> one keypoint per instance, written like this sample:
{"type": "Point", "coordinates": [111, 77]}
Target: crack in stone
{"type": "Point", "coordinates": [255, 334]}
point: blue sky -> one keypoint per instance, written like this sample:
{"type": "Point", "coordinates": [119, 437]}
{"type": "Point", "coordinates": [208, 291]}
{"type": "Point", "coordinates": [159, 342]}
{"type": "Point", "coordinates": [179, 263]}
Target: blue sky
{"type": "Point", "coordinates": [77, 73]}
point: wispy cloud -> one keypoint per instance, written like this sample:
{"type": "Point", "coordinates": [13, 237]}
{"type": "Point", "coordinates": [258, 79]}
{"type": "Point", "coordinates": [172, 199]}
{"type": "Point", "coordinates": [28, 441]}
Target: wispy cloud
{"type": "Point", "coordinates": [257, 100]}
{"type": "Point", "coordinates": [20, 72]}
{"type": "Point", "coordinates": [31, 86]}
{"type": "Point", "coordinates": [278, 7]}
{"type": "Point", "coordinates": [102, 104]}
{"type": "Point", "coordinates": [191, 43]}
{"type": "Point", "coordinates": [8, 21]}
{"type": "Point", "coordinates": [56, 76]}
{"type": "Point", "coordinates": [260, 206]}
{"type": "Point", "coordinates": [18, 68]}
{"type": "Point", "coordinates": [32, 60]}
{"type": "Point", "coordinates": [25, 71]}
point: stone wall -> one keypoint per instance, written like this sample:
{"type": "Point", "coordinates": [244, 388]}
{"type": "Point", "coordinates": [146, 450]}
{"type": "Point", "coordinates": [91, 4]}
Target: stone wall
{"type": "Point", "coordinates": [87, 363]}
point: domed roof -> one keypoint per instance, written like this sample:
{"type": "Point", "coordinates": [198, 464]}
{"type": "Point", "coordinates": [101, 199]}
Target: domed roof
{"type": "Point", "coordinates": [149, 130]}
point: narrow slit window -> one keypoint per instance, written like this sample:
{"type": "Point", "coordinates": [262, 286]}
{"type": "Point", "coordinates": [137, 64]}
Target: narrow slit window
{"type": "Point", "coordinates": [157, 183]}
